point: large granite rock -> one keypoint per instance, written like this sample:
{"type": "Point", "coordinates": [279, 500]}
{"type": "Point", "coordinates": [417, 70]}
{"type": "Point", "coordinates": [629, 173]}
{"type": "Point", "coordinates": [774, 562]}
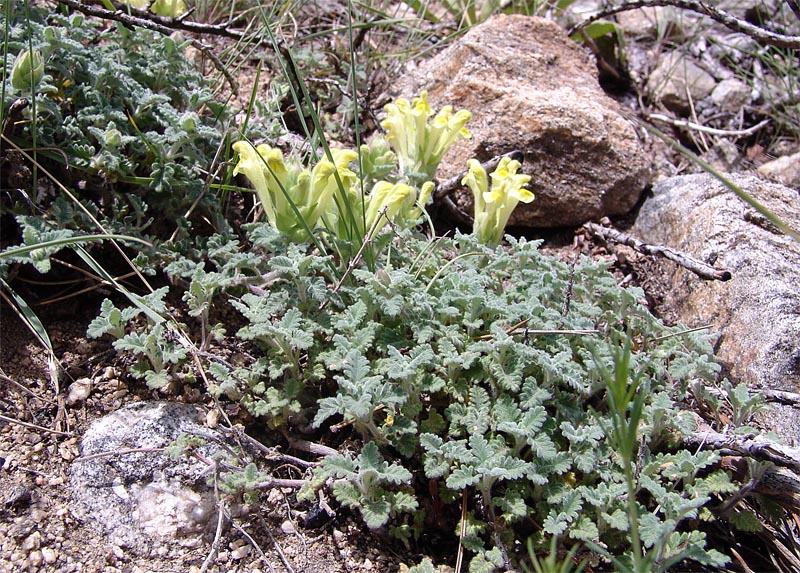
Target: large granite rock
{"type": "Point", "coordinates": [757, 312]}
{"type": "Point", "coordinates": [530, 87]}
{"type": "Point", "coordinates": [144, 501]}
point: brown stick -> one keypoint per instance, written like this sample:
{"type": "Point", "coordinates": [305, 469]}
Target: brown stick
{"type": "Point", "coordinates": [699, 268]}
{"type": "Point", "coordinates": [727, 20]}
{"type": "Point", "coordinates": [756, 447]}
{"type": "Point", "coordinates": [164, 26]}
{"type": "Point", "coordinates": [446, 188]}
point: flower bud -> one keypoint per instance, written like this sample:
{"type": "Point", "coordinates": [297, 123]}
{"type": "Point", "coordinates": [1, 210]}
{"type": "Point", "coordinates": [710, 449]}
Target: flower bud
{"type": "Point", "coordinates": [28, 70]}
{"type": "Point", "coordinates": [188, 122]}
{"type": "Point", "coordinates": [112, 137]}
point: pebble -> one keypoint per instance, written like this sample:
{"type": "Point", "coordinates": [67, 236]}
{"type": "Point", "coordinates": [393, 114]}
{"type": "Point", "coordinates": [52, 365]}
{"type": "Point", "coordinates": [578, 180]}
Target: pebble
{"type": "Point", "coordinates": [338, 536]}
{"type": "Point", "coordinates": [288, 527]}
{"type": "Point", "coordinates": [38, 514]}
{"type": "Point", "coordinates": [83, 347]}
{"type": "Point", "coordinates": [368, 564]}
{"type": "Point", "coordinates": [240, 552]}
{"type": "Point", "coordinates": [79, 390]}
{"type": "Point", "coordinates": [33, 541]}
{"type": "Point", "coordinates": [49, 555]}
{"type": "Point", "coordinates": [35, 558]}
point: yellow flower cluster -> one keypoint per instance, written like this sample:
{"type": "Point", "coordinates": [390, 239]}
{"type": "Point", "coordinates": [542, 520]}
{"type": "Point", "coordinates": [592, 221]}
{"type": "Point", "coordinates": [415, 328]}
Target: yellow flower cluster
{"type": "Point", "coordinates": [297, 200]}
{"type": "Point", "coordinates": [419, 141]}
{"type": "Point", "coordinates": [493, 206]}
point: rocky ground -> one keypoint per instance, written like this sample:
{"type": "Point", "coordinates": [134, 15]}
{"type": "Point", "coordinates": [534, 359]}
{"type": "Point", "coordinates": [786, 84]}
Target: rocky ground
{"type": "Point", "coordinates": [46, 411]}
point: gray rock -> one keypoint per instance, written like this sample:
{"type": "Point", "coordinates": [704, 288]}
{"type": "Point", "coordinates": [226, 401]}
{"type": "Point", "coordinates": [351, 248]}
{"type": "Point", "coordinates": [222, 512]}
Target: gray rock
{"type": "Point", "coordinates": [541, 97]}
{"type": "Point", "coordinates": [653, 22]}
{"type": "Point", "coordinates": [675, 79]}
{"type": "Point", "coordinates": [732, 95]}
{"type": "Point", "coordinates": [128, 488]}
{"type": "Point", "coordinates": [784, 169]}
{"type": "Point", "coordinates": [757, 312]}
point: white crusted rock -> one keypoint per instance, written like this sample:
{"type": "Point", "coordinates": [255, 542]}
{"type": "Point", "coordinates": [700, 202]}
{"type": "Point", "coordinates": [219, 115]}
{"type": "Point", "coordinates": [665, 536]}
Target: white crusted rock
{"type": "Point", "coordinates": [130, 489]}
{"type": "Point", "coordinates": [757, 312]}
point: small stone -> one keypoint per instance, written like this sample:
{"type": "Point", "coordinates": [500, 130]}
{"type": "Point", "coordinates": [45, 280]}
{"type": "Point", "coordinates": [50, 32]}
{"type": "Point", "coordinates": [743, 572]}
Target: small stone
{"type": "Point", "coordinates": [212, 418]}
{"type": "Point", "coordinates": [240, 552]}
{"type": "Point", "coordinates": [49, 555]}
{"type": "Point", "coordinates": [38, 514]}
{"type": "Point", "coordinates": [288, 527]}
{"type": "Point", "coordinates": [119, 394]}
{"type": "Point", "coordinates": [78, 391]}
{"type": "Point", "coordinates": [675, 75]}
{"type": "Point", "coordinates": [367, 565]}
{"type": "Point", "coordinates": [338, 536]}
{"type": "Point", "coordinates": [20, 496]}
{"type": "Point", "coordinates": [83, 347]}
{"type": "Point", "coordinates": [35, 558]}
{"type": "Point", "coordinates": [731, 94]}
{"type": "Point", "coordinates": [784, 169]}
{"type": "Point", "coordinates": [33, 541]}
{"type": "Point", "coordinates": [68, 451]}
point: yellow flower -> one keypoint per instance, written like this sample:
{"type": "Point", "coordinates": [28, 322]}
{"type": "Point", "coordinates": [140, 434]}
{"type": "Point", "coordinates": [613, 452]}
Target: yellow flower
{"type": "Point", "coordinates": [324, 183]}
{"type": "Point", "coordinates": [494, 206]}
{"type": "Point", "coordinates": [166, 8]}
{"type": "Point", "coordinates": [419, 142]}
{"type": "Point", "coordinates": [252, 163]}
{"type": "Point", "coordinates": [294, 198]}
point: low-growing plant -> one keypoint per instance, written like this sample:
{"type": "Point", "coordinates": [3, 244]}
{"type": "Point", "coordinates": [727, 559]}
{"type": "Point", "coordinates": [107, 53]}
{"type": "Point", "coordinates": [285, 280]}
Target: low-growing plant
{"type": "Point", "coordinates": [114, 111]}
{"type": "Point", "coordinates": [466, 375]}
{"type": "Point", "coordinates": [487, 387]}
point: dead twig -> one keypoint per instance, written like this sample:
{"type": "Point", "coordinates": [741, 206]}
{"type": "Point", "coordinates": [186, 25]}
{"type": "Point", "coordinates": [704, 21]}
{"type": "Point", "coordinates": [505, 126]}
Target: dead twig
{"type": "Point", "coordinates": [756, 447]}
{"type": "Point", "coordinates": [710, 130]}
{"type": "Point", "coordinates": [732, 22]}
{"type": "Point", "coordinates": [775, 396]}
{"type": "Point", "coordinates": [310, 447]}
{"type": "Point", "coordinates": [251, 541]}
{"type": "Point", "coordinates": [132, 17]}
{"type": "Point", "coordinates": [462, 532]}
{"type": "Point", "coordinates": [212, 554]}
{"type": "Point", "coordinates": [35, 427]}
{"type": "Point", "coordinates": [447, 187]}
{"type": "Point", "coordinates": [699, 268]}
{"type": "Point", "coordinates": [278, 548]}
{"type": "Point", "coordinates": [781, 397]}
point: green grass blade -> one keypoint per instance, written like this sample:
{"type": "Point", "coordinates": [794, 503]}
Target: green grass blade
{"type": "Point", "coordinates": [105, 275]}
{"type": "Point", "coordinates": [29, 317]}
{"type": "Point", "coordinates": [65, 242]}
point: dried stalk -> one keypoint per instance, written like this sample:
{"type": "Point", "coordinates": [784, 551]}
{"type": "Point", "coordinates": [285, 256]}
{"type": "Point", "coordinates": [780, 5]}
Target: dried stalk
{"type": "Point", "coordinates": [132, 17]}
{"type": "Point", "coordinates": [756, 447]}
{"type": "Point", "coordinates": [688, 262]}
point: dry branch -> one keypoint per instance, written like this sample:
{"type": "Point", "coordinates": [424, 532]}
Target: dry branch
{"type": "Point", "coordinates": [732, 22]}
{"type": "Point", "coordinates": [138, 18]}
{"type": "Point", "coordinates": [756, 447]}
{"type": "Point", "coordinates": [699, 268]}
{"type": "Point", "coordinates": [447, 187]}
